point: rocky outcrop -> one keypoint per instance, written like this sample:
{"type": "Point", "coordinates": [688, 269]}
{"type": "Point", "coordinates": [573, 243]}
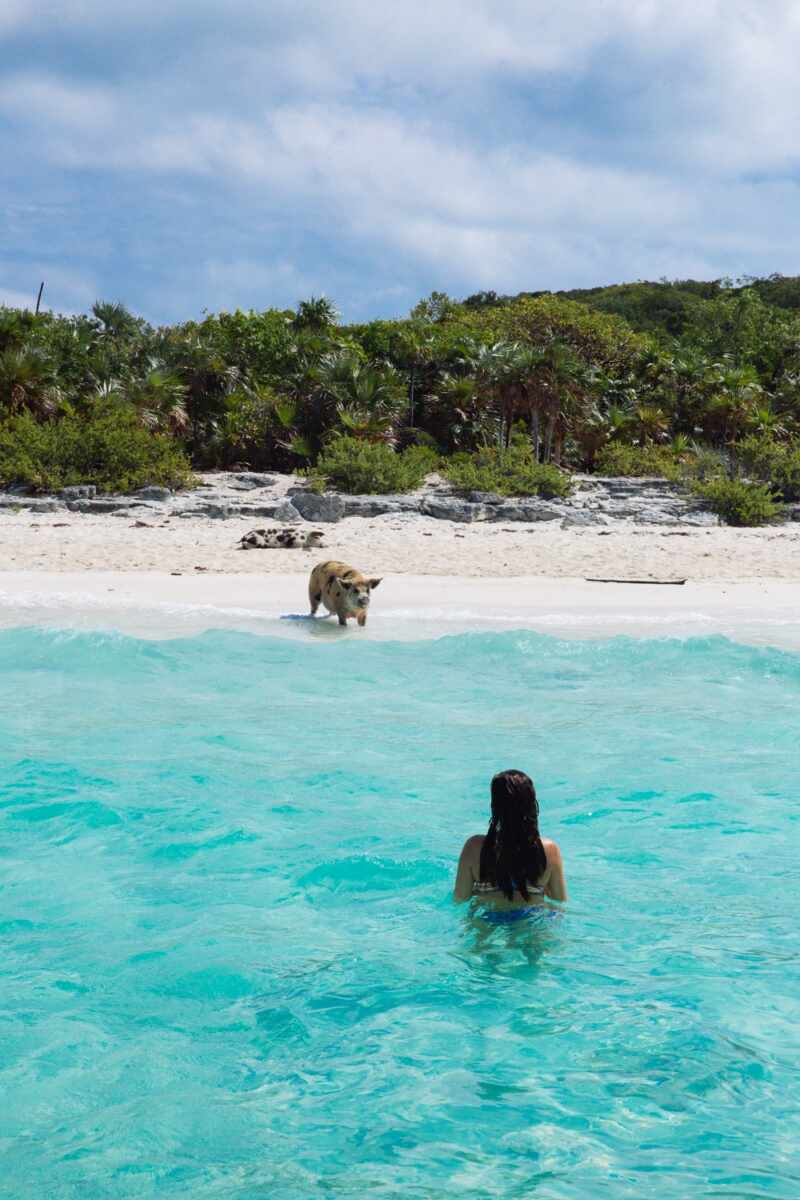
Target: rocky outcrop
{"type": "Point", "coordinates": [643, 501]}
{"type": "Point", "coordinates": [446, 508]}
{"type": "Point", "coordinates": [248, 481]}
{"type": "Point", "coordinates": [106, 504]}
{"type": "Point", "coordinates": [286, 511]}
{"type": "Point", "coordinates": [376, 506]}
{"type": "Point", "coordinates": [154, 493]}
{"type": "Point", "coordinates": [80, 491]}
{"type": "Point", "coordinates": [594, 501]}
{"type": "Point", "coordinates": [15, 503]}
{"type": "Point", "coordinates": [530, 510]}
{"type": "Point", "coordinates": [583, 520]}
{"type": "Point", "coordinates": [324, 508]}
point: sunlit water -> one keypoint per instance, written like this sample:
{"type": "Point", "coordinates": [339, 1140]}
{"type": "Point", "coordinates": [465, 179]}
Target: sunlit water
{"type": "Point", "coordinates": [231, 966]}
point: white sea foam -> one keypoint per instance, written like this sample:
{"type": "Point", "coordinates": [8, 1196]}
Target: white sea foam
{"type": "Point", "coordinates": [407, 607]}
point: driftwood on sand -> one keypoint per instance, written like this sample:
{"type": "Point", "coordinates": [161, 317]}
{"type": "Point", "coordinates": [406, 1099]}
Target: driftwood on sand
{"type": "Point", "coordinates": [658, 582]}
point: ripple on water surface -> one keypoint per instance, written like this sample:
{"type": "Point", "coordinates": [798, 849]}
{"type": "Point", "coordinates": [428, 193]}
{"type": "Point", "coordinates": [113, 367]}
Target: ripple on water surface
{"type": "Point", "coordinates": [232, 969]}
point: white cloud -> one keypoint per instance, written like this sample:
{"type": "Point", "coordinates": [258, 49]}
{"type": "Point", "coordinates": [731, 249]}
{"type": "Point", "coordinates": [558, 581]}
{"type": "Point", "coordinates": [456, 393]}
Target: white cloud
{"type": "Point", "coordinates": [711, 85]}
{"type": "Point", "coordinates": [374, 38]}
{"type": "Point", "coordinates": [386, 177]}
{"type": "Point", "coordinates": [49, 100]}
{"type": "Point", "coordinates": [516, 145]}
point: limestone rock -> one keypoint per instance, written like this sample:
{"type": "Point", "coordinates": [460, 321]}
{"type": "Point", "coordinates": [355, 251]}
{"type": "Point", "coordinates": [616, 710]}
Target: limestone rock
{"type": "Point", "coordinates": [326, 508]}
{"type": "Point", "coordinates": [451, 509]}
{"type": "Point", "coordinates": [79, 491]}
{"type": "Point", "coordinates": [285, 511]}
{"type": "Point", "coordinates": [376, 506]}
{"type": "Point", "coordinates": [529, 510]}
{"type": "Point", "coordinates": [250, 480]}
{"type": "Point", "coordinates": [485, 498]}
{"type": "Point", "coordinates": [220, 512]}
{"type": "Point", "coordinates": [154, 493]}
{"type": "Point", "coordinates": [32, 504]}
{"type": "Point", "coordinates": [267, 508]}
{"type": "Point", "coordinates": [583, 520]}
{"type": "Point", "coordinates": [102, 504]}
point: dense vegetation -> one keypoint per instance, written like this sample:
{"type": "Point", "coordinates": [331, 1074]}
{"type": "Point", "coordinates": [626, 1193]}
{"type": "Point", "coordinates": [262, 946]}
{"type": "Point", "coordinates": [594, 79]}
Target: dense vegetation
{"type": "Point", "coordinates": [689, 379]}
{"type": "Point", "coordinates": [511, 470]}
{"type": "Point", "coordinates": [357, 466]}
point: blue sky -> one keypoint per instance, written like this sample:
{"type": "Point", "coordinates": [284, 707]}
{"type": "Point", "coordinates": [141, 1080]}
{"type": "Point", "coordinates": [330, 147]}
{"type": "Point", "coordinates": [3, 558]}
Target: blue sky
{"type": "Point", "coordinates": [186, 156]}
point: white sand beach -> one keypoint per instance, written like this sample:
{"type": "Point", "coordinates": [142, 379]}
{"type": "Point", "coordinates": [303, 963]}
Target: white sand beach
{"type": "Point", "coordinates": [400, 544]}
{"type": "Point", "coordinates": [155, 604]}
{"type": "Point", "coordinates": [167, 576]}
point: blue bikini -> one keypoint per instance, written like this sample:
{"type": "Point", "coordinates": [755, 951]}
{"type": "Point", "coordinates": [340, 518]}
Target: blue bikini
{"type": "Point", "coordinates": [509, 916]}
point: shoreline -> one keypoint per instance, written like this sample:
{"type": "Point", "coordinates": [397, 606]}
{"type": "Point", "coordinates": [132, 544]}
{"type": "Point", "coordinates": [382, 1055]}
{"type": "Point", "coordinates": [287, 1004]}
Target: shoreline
{"type": "Point", "coordinates": [401, 545]}
{"type": "Point", "coordinates": [406, 607]}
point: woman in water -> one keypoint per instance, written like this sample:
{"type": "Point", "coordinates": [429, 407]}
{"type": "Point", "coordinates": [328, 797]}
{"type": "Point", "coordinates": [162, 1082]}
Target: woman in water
{"type": "Point", "coordinates": [513, 868]}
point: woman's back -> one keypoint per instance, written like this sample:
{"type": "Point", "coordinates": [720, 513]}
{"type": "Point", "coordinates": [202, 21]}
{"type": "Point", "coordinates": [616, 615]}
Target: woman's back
{"type": "Point", "coordinates": [474, 883]}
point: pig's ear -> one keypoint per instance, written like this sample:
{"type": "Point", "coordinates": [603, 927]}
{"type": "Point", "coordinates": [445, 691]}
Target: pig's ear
{"type": "Point", "coordinates": [372, 583]}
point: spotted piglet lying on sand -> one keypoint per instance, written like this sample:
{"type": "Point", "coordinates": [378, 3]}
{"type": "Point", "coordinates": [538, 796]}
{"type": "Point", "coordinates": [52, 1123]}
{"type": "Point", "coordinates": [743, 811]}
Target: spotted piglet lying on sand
{"type": "Point", "coordinates": [281, 539]}
{"type": "Point", "coordinates": [342, 589]}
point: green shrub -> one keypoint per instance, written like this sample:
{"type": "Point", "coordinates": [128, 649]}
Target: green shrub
{"type": "Point", "coordinates": [109, 449]}
{"type": "Point", "coordinates": [739, 502]}
{"type": "Point", "coordinates": [423, 458]}
{"type": "Point", "coordinates": [786, 477]}
{"type": "Point", "coordinates": [775, 463]}
{"type": "Point", "coordinates": [704, 465]}
{"type": "Point", "coordinates": [355, 466]}
{"type": "Point", "coordinates": [620, 458]}
{"type": "Point", "coordinates": [510, 472]}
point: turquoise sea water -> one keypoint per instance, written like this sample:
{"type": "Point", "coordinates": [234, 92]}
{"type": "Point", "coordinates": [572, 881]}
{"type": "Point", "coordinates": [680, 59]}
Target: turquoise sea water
{"type": "Point", "coordinates": [231, 967]}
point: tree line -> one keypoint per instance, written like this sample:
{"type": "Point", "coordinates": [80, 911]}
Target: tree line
{"type": "Point", "coordinates": [588, 378]}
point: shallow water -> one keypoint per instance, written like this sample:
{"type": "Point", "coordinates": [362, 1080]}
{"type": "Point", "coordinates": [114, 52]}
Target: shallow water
{"type": "Point", "coordinates": [232, 968]}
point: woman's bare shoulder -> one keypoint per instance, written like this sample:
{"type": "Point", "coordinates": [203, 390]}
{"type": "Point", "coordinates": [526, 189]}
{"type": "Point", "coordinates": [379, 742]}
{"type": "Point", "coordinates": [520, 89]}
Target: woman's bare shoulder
{"type": "Point", "coordinates": [553, 877]}
{"type": "Point", "coordinates": [471, 849]}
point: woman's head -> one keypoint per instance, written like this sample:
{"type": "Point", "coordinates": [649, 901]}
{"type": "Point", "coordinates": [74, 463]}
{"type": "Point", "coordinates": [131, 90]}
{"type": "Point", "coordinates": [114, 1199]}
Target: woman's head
{"type": "Point", "coordinates": [512, 855]}
{"type": "Point", "coordinates": [514, 798]}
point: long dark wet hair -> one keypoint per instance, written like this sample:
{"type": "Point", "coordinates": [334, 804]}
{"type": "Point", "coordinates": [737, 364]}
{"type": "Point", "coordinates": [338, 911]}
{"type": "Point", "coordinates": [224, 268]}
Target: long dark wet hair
{"type": "Point", "coordinates": [512, 854]}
